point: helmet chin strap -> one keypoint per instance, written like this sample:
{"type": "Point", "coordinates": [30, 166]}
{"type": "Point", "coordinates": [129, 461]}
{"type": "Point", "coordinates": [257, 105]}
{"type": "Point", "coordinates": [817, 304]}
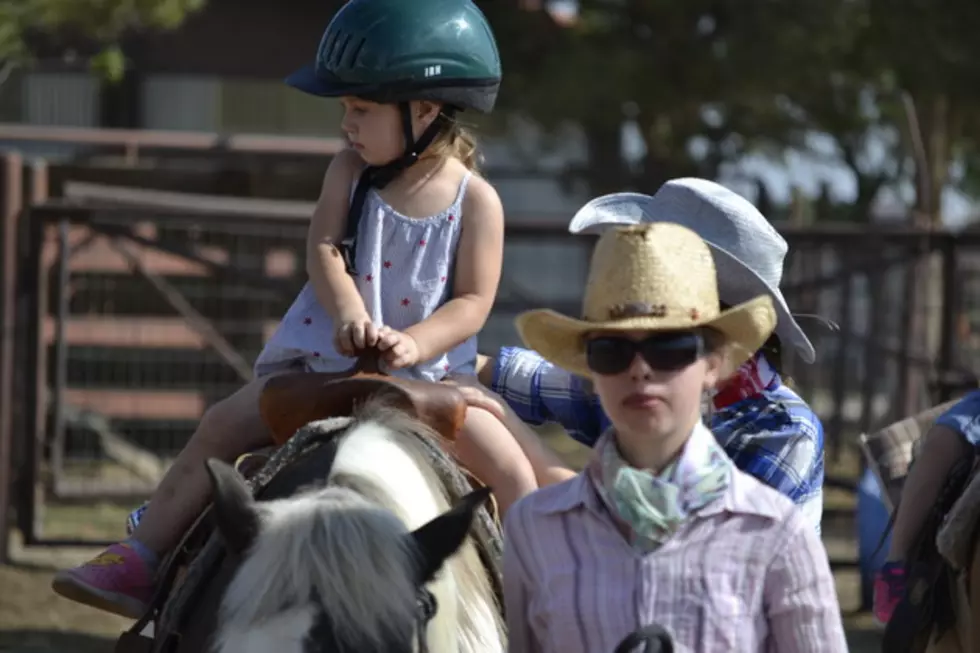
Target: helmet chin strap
{"type": "Point", "coordinates": [381, 176]}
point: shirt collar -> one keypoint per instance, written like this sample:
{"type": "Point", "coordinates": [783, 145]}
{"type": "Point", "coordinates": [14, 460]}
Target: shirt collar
{"type": "Point", "coordinates": [741, 497]}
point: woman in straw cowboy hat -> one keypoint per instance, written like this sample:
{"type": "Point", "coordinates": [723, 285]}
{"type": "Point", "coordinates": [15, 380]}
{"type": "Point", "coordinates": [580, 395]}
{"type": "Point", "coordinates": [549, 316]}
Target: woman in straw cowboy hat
{"type": "Point", "coordinates": [661, 527]}
{"type": "Point", "coordinates": [764, 426]}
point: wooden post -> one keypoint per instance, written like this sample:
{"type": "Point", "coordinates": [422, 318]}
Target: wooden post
{"type": "Point", "coordinates": [11, 207]}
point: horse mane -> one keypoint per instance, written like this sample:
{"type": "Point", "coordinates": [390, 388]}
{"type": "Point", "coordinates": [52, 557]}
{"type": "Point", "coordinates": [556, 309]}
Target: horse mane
{"type": "Point", "coordinates": [466, 590]}
{"type": "Point", "coordinates": [382, 485]}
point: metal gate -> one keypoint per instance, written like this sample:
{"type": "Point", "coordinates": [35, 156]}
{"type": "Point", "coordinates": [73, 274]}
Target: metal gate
{"type": "Point", "coordinates": [136, 321]}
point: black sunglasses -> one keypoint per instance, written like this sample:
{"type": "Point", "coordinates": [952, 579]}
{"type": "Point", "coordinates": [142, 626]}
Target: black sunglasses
{"type": "Point", "coordinates": [665, 352]}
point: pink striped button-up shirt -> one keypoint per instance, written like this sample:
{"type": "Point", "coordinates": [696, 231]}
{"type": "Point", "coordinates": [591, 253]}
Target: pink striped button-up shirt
{"type": "Point", "coordinates": [747, 573]}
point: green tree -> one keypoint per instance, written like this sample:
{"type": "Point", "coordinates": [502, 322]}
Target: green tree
{"type": "Point", "coordinates": [100, 22]}
{"type": "Point", "coordinates": [892, 86]}
{"type": "Point", "coordinates": [706, 78]}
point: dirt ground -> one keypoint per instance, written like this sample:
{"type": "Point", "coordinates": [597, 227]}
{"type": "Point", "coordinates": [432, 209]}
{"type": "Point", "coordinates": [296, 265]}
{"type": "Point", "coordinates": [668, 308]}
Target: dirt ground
{"type": "Point", "coordinates": [34, 620]}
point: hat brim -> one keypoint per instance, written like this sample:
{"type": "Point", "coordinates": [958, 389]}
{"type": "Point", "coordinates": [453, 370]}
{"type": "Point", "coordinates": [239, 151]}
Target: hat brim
{"type": "Point", "coordinates": [305, 79]}
{"type": "Point", "coordinates": [561, 339]}
{"type": "Point", "coordinates": [736, 281]}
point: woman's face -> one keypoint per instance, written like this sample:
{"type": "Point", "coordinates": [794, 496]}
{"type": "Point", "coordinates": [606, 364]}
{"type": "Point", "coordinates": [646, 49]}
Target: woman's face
{"type": "Point", "coordinates": [651, 384]}
{"type": "Point", "coordinates": [375, 130]}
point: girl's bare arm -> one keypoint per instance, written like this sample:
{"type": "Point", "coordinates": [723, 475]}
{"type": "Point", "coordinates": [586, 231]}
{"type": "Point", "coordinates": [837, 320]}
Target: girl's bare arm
{"type": "Point", "coordinates": [477, 274]}
{"type": "Point", "coordinates": [334, 287]}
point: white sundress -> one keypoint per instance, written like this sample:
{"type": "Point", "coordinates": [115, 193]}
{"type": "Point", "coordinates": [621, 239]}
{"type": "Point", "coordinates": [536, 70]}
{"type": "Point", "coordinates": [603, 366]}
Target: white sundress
{"type": "Point", "coordinates": [405, 269]}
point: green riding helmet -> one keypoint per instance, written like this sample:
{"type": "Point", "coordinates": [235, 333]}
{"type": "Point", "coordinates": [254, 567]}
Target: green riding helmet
{"type": "Point", "coordinates": [392, 51]}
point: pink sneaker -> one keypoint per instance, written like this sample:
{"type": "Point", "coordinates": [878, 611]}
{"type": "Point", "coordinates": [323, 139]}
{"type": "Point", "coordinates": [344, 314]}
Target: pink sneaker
{"type": "Point", "coordinates": [888, 591]}
{"type": "Point", "coordinates": [117, 580]}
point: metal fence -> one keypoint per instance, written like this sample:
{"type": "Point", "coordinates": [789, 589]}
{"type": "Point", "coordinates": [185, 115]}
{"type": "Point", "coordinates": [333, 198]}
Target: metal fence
{"type": "Point", "coordinates": [132, 318]}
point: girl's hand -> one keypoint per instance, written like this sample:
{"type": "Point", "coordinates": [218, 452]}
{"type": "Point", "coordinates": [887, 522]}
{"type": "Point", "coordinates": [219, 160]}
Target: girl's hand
{"type": "Point", "coordinates": [398, 349]}
{"type": "Point", "coordinates": [354, 335]}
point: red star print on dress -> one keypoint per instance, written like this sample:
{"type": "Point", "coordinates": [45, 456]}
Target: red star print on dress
{"type": "Point", "coordinates": [451, 217]}
{"type": "Point", "coordinates": [422, 242]}
{"type": "Point", "coordinates": [369, 278]}
{"type": "Point", "coordinates": [406, 301]}
{"type": "Point", "coordinates": [307, 321]}
{"type": "Point", "coordinates": [387, 264]}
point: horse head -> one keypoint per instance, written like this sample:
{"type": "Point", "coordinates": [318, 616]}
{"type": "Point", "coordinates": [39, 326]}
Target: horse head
{"type": "Point", "coordinates": [329, 569]}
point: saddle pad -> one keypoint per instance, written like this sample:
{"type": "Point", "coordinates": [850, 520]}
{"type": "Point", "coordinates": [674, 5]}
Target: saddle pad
{"type": "Point", "coordinates": [891, 450]}
{"type": "Point", "coordinates": [956, 539]}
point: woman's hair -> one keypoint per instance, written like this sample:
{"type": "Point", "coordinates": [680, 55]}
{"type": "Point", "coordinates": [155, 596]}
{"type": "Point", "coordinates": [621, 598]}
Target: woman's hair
{"type": "Point", "coordinates": [714, 340]}
{"type": "Point", "coordinates": [772, 349]}
{"type": "Point", "coordinates": [455, 140]}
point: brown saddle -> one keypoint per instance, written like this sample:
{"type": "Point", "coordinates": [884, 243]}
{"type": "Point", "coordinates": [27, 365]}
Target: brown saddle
{"type": "Point", "coordinates": [291, 401]}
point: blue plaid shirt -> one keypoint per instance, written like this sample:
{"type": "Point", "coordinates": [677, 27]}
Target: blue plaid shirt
{"type": "Point", "coordinates": [774, 436]}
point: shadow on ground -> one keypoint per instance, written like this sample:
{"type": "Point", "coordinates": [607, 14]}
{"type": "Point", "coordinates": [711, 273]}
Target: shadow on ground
{"type": "Point", "coordinates": [863, 639]}
{"type": "Point", "coordinates": [48, 641]}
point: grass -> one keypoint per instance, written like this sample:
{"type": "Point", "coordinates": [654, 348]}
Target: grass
{"type": "Point", "coordinates": [34, 620]}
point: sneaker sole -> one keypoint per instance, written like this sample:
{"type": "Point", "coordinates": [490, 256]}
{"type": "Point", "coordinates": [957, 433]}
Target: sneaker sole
{"type": "Point", "coordinates": [73, 589]}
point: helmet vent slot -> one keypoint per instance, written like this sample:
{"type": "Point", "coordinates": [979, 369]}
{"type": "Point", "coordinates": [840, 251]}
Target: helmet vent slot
{"type": "Point", "coordinates": [329, 47]}
{"type": "Point", "coordinates": [355, 52]}
{"type": "Point", "coordinates": [337, 58]}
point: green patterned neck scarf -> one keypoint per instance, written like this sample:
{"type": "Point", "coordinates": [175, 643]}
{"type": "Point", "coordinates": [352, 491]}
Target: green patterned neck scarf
{"type": "Point", "coordinates": [654, 506]}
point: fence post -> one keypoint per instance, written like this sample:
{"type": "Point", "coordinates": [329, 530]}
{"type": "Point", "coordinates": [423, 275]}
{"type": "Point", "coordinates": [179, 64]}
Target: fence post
{"type": "Point", "coordinates": [949, 383]}
{"type": "Point", "coordinates": [11, 207]}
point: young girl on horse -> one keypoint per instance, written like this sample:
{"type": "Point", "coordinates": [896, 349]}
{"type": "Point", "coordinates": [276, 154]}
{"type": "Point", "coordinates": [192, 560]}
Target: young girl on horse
{"type": "Point", "coordinates": [404, 256]}
{"type": "Point", "coordinates": [954, 436]}
{"type": "Point", "coordinates": [661, 527]}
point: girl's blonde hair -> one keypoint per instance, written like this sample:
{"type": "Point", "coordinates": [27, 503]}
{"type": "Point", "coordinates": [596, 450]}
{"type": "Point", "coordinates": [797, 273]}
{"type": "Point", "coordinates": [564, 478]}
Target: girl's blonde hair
{"type": "Point", "coordinates": [455, 140]}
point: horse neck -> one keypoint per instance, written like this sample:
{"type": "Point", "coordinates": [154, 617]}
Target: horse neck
{"type": "Point", "coordinates": [390, 459]}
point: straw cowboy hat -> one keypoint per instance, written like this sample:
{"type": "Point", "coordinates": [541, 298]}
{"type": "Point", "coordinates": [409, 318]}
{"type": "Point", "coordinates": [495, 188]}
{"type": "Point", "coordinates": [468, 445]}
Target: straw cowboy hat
{"type": "Point", "coordinates": [748, 251]}
{"type": "Point", "coordinates": [657, 277]}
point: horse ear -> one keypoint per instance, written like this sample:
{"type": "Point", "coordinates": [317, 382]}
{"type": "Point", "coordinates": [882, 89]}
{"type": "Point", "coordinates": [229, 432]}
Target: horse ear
{"type": "Point", "coordinates": [443, 536]}
{"type": "Point", "coordinates": [234, 507]}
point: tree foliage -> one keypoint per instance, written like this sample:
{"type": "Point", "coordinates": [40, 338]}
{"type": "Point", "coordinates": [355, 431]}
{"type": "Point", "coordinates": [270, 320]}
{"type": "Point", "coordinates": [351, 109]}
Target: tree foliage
{"type": "Point", "coordinates": [890, 84]}
{"type": "Point", "coordinates": [101, 22]}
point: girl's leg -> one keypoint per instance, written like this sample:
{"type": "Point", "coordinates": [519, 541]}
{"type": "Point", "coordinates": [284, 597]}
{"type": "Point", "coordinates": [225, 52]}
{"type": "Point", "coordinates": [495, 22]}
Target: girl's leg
{"type": "Point", "coordinates": [942, 448]}
{"type": "Point", "coordinates": [488, 449]}
{"type": "Point", "coordinates": [121, 579]}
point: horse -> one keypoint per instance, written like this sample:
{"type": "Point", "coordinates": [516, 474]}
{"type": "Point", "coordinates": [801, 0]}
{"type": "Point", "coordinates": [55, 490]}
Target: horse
{"type": "Point", "coordinates": [942, 600]}
{"type": "Point", "coordinates": [352, 546]}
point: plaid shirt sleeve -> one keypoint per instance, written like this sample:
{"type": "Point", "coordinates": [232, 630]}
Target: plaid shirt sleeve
{"type": "Point", "coordinates": [779, 440]}
{"type": "Point", "coordinates": [540, 392]}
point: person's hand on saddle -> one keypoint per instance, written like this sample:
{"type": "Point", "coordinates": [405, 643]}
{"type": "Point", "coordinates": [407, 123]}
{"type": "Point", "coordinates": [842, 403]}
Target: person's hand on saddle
{"type": "Point", "coordinates": [478, 395]}
{"type": "Point", "coordinates": [398, 349]}
{"type": "Point", "coordinates": [355, 334]}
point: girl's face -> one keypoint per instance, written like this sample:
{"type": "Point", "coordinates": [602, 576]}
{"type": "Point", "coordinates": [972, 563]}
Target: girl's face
{"type": "Point", "coordinates": [375, 130]}
{"type": "Point", "coordinates": [651, 383]}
